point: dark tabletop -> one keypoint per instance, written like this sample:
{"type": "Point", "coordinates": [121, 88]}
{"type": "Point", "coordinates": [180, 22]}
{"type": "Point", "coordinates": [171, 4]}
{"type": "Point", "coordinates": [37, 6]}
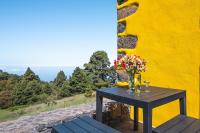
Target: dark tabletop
{"type": "Point", "coordinates": [156, 94]}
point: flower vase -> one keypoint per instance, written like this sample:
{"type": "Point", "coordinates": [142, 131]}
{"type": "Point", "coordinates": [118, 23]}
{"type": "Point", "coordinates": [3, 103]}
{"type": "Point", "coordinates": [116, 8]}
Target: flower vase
{"type": "Point", "coordinates": [134, 82]}
{"type": "Point", "coordinates": [131, 83]}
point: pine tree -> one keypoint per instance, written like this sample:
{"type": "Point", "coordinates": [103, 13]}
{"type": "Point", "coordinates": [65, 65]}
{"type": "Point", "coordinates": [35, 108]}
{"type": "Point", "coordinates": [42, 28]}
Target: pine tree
{"type": "Point", "coordinates": [79, 81]}
{"type": "Point", "coordinates": [98, 69]}
{"type": "Point", "coordinates": [60, 79]}
{"type": "Point", "coordinates": [30, 75]}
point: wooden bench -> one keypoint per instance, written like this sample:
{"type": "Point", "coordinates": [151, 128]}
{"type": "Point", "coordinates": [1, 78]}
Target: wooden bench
{"type": "Point", "coordinates": [83, 124]}
{"type": "Point", "coordinates": [179, 124]}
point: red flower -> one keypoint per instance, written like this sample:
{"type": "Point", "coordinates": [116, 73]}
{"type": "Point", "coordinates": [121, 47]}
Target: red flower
{"type": "Point", "coordinates": [123, 65]}
{"type": "Point", "coordinates": [115, 63]}
{"type": "Point", "coordinates": [130, 63]}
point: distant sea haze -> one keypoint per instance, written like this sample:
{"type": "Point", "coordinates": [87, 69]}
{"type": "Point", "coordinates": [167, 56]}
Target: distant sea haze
{"type": "Point", "coordinates": [45, 73]}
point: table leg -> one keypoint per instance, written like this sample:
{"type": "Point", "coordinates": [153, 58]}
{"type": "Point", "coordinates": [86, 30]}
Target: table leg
{"type": "Point", "coordinates": [99, 104]}
{"type": "Point", "coordinates": [183, 105]}
{"type": "Point", "coordinates": [135, 118]}
{"type": "Point", "coordinates": [147, 120]}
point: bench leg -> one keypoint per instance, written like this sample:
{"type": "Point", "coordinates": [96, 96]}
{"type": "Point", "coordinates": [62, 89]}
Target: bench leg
{"type": "Point", "coordinates": [135, 118]}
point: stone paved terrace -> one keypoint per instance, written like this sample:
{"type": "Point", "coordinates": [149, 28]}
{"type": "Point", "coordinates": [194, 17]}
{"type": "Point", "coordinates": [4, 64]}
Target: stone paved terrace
{"type": "Point", "coordinates": [44, 121]}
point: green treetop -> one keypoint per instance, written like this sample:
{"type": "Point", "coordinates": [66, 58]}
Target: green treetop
{"type": "Point", "coordinates": [79, 81]}
{"type": "Point", "coordinates": [30, 75]}
{"type": "Point", "coordinates": [60, 79]}
{"type": "Point", "coordinates": [98, 68]}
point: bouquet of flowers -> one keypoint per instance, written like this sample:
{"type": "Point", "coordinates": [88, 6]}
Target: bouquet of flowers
{"type": "Point", "coordinates": [132, 64]}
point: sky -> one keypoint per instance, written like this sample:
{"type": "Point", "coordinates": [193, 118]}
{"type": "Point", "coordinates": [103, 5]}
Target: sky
{"type": "Point", "coordinates": [56, 32]}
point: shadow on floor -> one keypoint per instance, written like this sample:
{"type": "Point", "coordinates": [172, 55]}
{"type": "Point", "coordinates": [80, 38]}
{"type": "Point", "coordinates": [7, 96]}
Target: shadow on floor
{"type": "Point", "coordinates": [126, 127]}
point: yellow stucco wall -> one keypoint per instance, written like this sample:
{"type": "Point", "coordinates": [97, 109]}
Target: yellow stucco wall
{"type": "Point", "coordinates": [169, 39]}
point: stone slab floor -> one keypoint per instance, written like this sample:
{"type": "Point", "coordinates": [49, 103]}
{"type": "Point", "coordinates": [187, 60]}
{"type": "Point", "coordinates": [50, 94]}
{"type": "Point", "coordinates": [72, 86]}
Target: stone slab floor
{"type": "Point", "coordinates": [127, 127]}
{"type": "Point", "coordinates": [42, 123]}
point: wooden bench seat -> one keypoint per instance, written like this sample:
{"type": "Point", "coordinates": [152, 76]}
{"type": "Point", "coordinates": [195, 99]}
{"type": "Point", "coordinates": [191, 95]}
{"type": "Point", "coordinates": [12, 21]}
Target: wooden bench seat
{"type": "Point", "coordinates": [83, 124]}
{"type": "Point", "coordinates": [179, 124]}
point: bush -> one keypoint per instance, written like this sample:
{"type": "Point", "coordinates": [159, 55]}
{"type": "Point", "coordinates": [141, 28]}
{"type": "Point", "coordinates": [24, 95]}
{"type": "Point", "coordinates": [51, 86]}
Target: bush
{"type": "Point", "coordinates": [79, 81]}
{"type": "Point", "coordinates": [20, 112]}
{"type": "Point", "coordinates": [5, 99]}
{"type": "Point", "coordinates": [101, 84]}
{"type": "Point", "coordinates": [27, 92]}
{"type": "Point", "coordinates": [46, 88]}
{"type": "Point", "coordinates": [88, 92]}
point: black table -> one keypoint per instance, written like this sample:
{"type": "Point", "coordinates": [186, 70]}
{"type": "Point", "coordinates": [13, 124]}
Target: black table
{"type": "Point", "coordinates": [145, 100]}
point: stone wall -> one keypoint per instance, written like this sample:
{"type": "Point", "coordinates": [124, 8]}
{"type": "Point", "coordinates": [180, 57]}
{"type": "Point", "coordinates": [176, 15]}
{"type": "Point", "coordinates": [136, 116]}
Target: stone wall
{"type": "Point", "coordinates": [125, 41]}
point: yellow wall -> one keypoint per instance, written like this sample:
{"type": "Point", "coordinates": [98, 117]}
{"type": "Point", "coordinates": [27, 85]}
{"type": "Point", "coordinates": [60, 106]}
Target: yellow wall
{"type": "Point", "coordinates": [169, 39]}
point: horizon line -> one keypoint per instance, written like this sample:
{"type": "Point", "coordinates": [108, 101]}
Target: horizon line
{"type": "Point", "coordinates": [25, 66]}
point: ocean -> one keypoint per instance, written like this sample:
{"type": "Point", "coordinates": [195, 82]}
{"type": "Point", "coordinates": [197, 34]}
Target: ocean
{"type": "Point", "coordinates": [45, 73]}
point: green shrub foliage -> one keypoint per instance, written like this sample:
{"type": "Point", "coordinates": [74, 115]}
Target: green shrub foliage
{"type": "Point", "coordinates": [29, 89]}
